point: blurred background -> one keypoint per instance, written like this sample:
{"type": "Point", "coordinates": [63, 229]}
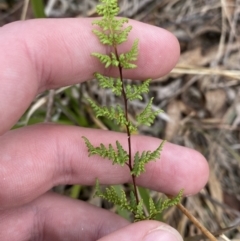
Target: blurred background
{"type": "Point", "coordinates": [200, 99]}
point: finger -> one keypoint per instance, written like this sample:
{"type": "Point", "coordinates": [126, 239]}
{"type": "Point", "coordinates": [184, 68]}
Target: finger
{"type": "Point", "coordinates": [41, 54]}
{"type": "Point", "coordinates": [145, 231]}
{"type": "Point", "coordinates": [54, 217]}
{"type": "Point", "coordinates": [36, 158]}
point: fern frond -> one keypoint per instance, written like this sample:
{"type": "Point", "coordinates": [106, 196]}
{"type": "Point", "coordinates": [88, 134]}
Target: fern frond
{"type": "Point", "coordinates": [169, 202]}
{"type": "Point", "coordinates": [102, 23]}
{"type": "Point", "coordinates": [103, 38]}
{"type": "Point", "coordinates": [103, 58]}
{"type": "Point", "coordinates": [119, 156]}
{"type": "Point", "coordinates": [122, 35]}
{"type": "Point", "coordinates": [104, 81]}
{"type": "Point", "coordinates": [110, 194]}
{"type": "Point", "coordinates": [116, 114]}
{"type": "Point", "coordinates": [147, 116]}
{"type": "Point", "coordinates": [134, 92]}
{"type": "Point", "coordinates": [139, 212]}
{"type": "Point", "coordinates": [109, 112]}
{"type": "Point", "coordinates": [122, 154]}
{"type": "Point", "coordinates": [111, 33]}
{"type": "Point", "coordinates": [106, 59]}
{"type": "Point", "coordinates": [161, 205]}
{"type": "Point", "coordinates": [124, 204]}
{"type": "Point", "coordinates": [114, 59]}
{"type": "Point", "coordinates": [112, 25]}
{"type": "Point", "coordinates": [133, 53]}
{"type": "Point", "coordinates": [152, 208]}
{"type": "Point", "coordinates": [117, 24]}
{"type": "Point", "coordinates": [146, 157]}
{"type": "Point", "coordinates": [126, 58]}
{"type": "Point", "coordinates": [108, 82]}
{"type": "Point", "coordinates": [108, 8]}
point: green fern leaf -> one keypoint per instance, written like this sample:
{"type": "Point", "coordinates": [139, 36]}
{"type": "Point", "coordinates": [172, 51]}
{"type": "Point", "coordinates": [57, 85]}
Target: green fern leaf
{"type": "Point", "coordinates": [103, 38]}
{"type": "Point", "coordinates": [138, 166]}
{"type": "Point", "coordinates": [126, 58]}
{"type": "Point", "coordinates": [123, 155]}
{"type": "Point", "coordinates": [114, 59]}
{"type": "Point", "coordinates": [108, 8]}
{"type": "Point", "coordinates": [120, 156]}
{"type": "Point", "coordinates": [124, 204]}
{"type": "Point", "coordinates": [132, 128]}
{"type": "Point", "coordinates": [108, 82]}
{"type": "Point", "coordinates": [139, 212]}
{"type": "Point", "coordinates": [134, 92]}
{"type": "Point", "coordinates": [123, 35]}
{"type": "Point", "coordinates": [147, 116]}
{"type": "Point", "coordinates": [155, 154]}
{"type": "Point", "coordinates": [117, 24]}
{"type": "Point", "coordinates": [112, 34]}
{"type": "Point", "coordinates": [110, 194]}
{"type": "Point", "coordinates": [169, 202]}
{"type": "Point", "coordinates": [112, 113]}
{"type": "Point", "coordinates": [102, 23]}
{"type": "Point", "coordinates": [104, 81]}
{"type": "Point", "coordinates": [146, 157]}
{"type": "Point", "coordinates": [106, 59]}
{"type": "Point", "coordinates": [152, 209]}
{"type": "Point", "coordinates": [161, 205]}
{"type": "Point", "coordinates": [89, 146]}
{"type": "Point", "coordinates": [114, 25]}
{"type": "Point", "coordinates": [103, 58]}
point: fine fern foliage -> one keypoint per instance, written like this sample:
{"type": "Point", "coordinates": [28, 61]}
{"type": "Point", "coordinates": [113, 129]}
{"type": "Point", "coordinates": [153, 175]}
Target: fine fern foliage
{"type": "Point", "coordinates": [147, 116]}
{"type": "Point", "coordinates": [110, 83]}
{"type": "Point", "coordinates": [134, 92]}
{"type": "Point", "coordinates": [146, 156]}
{"type": "Point", "coordinates": [119, 156]}
{"type": "Point", "coordinates": [112, 32]}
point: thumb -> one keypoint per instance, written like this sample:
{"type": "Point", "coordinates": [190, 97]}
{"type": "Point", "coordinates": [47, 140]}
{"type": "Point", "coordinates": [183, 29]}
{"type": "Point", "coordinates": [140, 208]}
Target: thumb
{"type": "Point", "coordinates": [145, 231]}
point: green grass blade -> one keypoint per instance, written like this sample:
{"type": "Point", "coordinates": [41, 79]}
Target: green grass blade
{"type": "Point", "coordinates": [75, 191]}
{"type": "Point", "coordinates": [38, 8]}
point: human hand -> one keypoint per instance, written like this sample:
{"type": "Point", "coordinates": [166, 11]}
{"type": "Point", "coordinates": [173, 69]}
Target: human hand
{"type": "Point", "coordinates": [38, 55]}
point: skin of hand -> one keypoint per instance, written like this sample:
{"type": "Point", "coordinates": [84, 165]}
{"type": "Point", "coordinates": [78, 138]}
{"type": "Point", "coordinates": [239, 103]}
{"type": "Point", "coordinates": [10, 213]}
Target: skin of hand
{"type": "Point", "coordinates": [37, 55]}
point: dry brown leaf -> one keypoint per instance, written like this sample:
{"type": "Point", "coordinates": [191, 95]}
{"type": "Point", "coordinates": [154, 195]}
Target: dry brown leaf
{"type": "Point", "coordinates": [173, 110]}
{"type": "Point", "coordinates": [196, 58]}
{"type": "Point", "coordinates": [216, 101]}
{"type": "Point", "coordinates": [192, 57]}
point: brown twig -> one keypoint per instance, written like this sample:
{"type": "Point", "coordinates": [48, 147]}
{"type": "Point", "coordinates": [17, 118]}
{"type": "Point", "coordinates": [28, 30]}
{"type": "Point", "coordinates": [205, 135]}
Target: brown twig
{"type": "Point", "coordinates": [205, 231]}
{"type": "Point", "coordinates": [24, 10]}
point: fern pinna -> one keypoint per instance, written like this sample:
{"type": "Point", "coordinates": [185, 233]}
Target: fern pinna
{"type": "Point", "coordinates": [112, 32]}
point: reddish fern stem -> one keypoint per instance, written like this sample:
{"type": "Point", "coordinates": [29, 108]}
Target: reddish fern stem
{"type": "Point", "coordinates": [130, 163]}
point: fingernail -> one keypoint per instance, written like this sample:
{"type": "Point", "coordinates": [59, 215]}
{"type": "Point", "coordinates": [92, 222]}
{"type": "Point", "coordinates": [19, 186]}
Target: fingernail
{"type": "Point", "coordinates": [163, 233]}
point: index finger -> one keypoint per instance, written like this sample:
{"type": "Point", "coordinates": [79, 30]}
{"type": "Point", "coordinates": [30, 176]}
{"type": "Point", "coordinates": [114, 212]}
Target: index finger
{"type": "Point", "coordinates": [36, 158]}
{"type": "Point", "coordinates": [42, 54]}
